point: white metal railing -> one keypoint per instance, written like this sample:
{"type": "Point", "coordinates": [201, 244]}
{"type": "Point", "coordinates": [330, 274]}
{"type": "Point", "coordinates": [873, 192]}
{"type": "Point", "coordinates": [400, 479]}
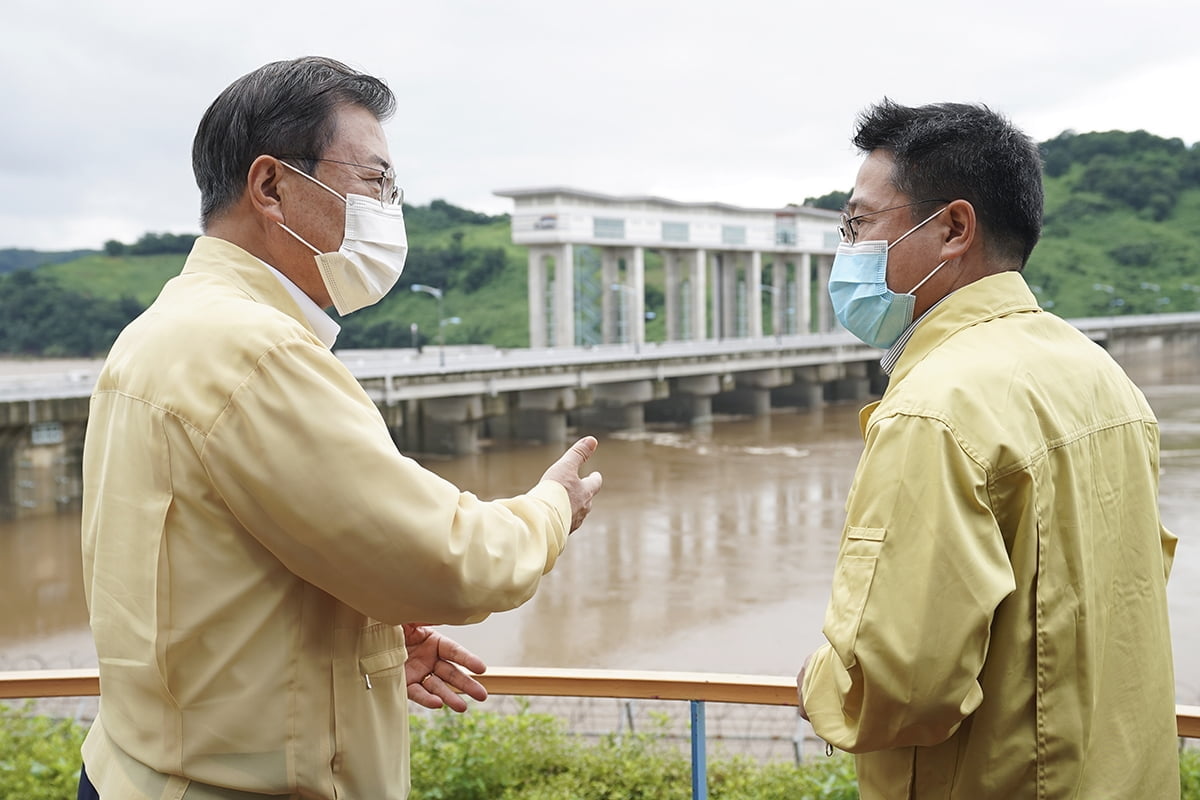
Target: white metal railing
{"type": "Point", "coordinates": [491, 369]}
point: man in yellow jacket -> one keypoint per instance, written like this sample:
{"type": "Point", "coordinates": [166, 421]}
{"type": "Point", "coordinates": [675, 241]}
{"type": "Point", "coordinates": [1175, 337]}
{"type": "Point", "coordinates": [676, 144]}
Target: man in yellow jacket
{"type": "Point", "coordinates": [259, 559]}
{"type": "Point", "coordinates": [998, 621]}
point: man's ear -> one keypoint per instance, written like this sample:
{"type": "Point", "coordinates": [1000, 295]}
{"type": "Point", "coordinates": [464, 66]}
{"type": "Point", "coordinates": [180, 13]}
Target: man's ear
{"type": "Point", "coordinates": [961, 228]}
{"type": "Point", "coordinates": [264, 187]}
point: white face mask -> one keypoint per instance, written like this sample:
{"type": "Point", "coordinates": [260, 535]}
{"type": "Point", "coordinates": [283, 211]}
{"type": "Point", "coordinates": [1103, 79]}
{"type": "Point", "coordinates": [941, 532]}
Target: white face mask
{"type": "Point", "coordinates": [371, 257]}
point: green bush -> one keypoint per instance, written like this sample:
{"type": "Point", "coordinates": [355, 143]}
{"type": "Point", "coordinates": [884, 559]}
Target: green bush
{"type": "Point", "coordinates": [530, 756]}
{"type": "Point", "coordinates": [1189, 774]}
{"type": "Point", "coordinates": [487, 756]}
{"type": "Point", "coordinates": [482, 756]}
{"type": "Point", "coordinates": [39, 756]}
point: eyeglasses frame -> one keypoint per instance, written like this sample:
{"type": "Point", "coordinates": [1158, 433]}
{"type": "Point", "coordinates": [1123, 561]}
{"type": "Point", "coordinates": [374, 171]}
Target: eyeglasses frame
{"type": "Point", "coordinates": [387, 198]}
{"type": "Point", "coordinates": [847, 223]}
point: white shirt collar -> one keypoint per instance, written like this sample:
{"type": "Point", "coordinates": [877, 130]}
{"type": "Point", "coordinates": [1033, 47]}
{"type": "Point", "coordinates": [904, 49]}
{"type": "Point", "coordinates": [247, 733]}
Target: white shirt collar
{"type": "Point", "coordinates": [323, 326]}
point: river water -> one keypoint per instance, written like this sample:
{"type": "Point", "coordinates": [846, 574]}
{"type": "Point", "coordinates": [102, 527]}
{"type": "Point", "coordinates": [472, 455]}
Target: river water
{"type": "Point", "coordinates": [709, 549]}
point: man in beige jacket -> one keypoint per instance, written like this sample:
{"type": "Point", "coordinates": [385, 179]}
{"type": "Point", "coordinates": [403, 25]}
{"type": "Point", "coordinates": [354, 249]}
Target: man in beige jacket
{"type": "Point", "coordinates": [998, 624]}
{"type": "Point", "coordinates": [260, 562]}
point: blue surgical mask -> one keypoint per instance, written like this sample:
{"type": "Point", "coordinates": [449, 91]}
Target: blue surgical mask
{"type": "Point", "coordinates": [861, 298]}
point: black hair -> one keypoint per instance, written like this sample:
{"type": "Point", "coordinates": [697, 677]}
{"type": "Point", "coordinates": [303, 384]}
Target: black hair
{"type": "Point", "coordinates": [967, 151]}
{"type": "Point", "coordinates": [282, 108]}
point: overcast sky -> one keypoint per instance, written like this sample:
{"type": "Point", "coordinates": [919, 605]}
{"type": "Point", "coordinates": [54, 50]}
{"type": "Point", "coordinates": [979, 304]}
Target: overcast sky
{"type": "Point", "coordinates": [748, 102]}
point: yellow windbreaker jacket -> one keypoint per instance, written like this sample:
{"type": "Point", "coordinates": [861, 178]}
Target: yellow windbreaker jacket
{"type": "Point", "coordinates": [998, 621]}
{"type": "Point", "coordinates": [251, 537]}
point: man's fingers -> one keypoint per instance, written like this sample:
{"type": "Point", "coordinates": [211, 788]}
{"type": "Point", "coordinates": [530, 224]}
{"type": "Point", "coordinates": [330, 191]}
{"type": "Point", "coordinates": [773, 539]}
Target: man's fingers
{"type": "Point", "coordinates": [422, 697]}
{"type": "Point", "coordinates": [592, 482]}
{"type": "Point", "coordinates": [445, 685]}
{"type": "Point", "coordinates": [580, 452]}
{"type": "Point", "coordinates": [447, 695]}
{"type": "Point", "coordinates": [450, 650]}
{"type": "Point", "coordinates": [566, 469]}
{"type": "Point", "coordinates": [466, 684]}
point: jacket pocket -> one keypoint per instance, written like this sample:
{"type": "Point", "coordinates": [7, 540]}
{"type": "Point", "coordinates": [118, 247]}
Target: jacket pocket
{"type": "Point", "coordinates": [370, 712]}
{"type": "Point", "coordinates": [851, 587]}
{"type": "Point", "coordinates": [379, 666]}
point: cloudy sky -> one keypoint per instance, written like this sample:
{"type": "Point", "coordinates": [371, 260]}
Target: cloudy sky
{"type": "Point", "coordinates": [748, 102]}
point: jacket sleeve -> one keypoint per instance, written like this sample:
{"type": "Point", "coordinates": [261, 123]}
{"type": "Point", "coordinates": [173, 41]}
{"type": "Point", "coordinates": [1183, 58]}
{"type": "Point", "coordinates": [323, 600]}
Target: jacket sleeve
{"type": "Point", "coordinates": [303, 459]}
{"type": "Point", "coordinates": [921, 570]}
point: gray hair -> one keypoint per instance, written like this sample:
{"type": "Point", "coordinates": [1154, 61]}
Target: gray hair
{"type": "Point", "coordinates": [282, 108]}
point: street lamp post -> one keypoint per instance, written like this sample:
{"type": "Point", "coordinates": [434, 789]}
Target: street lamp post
{"type": "Point", "coordinates": [442, 323]}
{"type": "Point", "coordinates": [436, 292]}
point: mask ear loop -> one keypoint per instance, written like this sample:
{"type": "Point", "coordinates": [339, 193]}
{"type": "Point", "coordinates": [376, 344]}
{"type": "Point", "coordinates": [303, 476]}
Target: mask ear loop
{"type": "Point", "coordinates": [905, 235]}
{"type": "Point", "coordinates": [298, 238]}
{"type": "Point", "coordinates": [339, 197]}
{"type": "Point", "coordinates": [913, 290]}
{"type": "Point", "coordinates": [301, 172]}
{"type": "Point", "coordinates": [913, 228]}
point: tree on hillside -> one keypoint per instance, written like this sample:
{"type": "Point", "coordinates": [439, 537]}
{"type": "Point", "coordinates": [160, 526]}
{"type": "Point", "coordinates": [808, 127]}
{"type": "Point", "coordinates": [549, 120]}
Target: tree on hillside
{"type": "Point", "coordinates": [1149, 181]}
{"type": "Point", "coordinates": [40, 318]}
{"type": "Point", "coordinates": [156, 243]}
{"type": "Point", "coordinates": [834, 201]}
{"type": "Point", "coordinates": [439, 215]}
{"type": "Point", "coordinates": [1059, 153]}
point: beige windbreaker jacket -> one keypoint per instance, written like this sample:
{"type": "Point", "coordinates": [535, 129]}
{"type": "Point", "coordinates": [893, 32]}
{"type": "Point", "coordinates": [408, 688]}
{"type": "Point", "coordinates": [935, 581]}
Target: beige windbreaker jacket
{"type": "Point", "coordinates": [998, 622]}
{"type": "Point", "coordinates": [251, 537]}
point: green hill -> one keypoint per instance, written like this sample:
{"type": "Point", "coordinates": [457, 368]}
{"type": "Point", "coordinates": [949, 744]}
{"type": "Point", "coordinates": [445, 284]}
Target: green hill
{"type": "Point", "coordinates": [12, 258]}
{"type": "Point", "coordinates": [1122, 233]}
{"type": "Point", "coordinates": [1122, 225]}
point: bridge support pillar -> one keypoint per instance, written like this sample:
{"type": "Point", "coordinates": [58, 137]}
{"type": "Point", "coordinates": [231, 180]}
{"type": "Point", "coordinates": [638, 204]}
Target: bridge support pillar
{"type": "Point", "coordinates": [9, 506]}
{"type": "Point", "coordinates": [690, 400]}
{"type": "Point", "coordinates": [541, 415]}
{"type": "Point", "coordinates": [753, 392]}
{"type": "Point", "coordinates": [815, 384]}
{"type": "Point", "coordinates": [697, 298]}
{"type": "Point", "coordinates": [393, 417]}
{"type": "Point", "coordinates": [744, 400]}
{"type": "Point", "coordinates": [801, 392]}
{"type": "Point", "coordinates": [622, 418]}
{"type": "Point", "coordinates": [41, 447]}
{"type": "Point", "coordinates": [621, 406]}
{"type": "Point", "coordinates": [547, 427]}
{"type": "Point", "coordinates": [452, 425]}
{"type": "Point", "coordinates": [813, 394]}
{"type": "Point", "coordinates": [854, 383]}
{"type": "Point", "coordinates": [802, 296]}
{"type": "Point", "coordinates": [699, 390]}
{"type": "Point", "coordinates": [826, 321]}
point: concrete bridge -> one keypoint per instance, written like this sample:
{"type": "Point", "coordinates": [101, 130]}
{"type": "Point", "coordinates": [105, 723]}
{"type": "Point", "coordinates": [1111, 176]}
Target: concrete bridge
{"type": "Point", "coordinates": [483, 394]}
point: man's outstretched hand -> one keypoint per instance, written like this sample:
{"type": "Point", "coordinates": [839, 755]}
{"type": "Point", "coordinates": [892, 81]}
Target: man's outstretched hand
{"type": "Point", "coordinates": [430, 672]}
{"type": "Point", "coordinates": [566, 472]}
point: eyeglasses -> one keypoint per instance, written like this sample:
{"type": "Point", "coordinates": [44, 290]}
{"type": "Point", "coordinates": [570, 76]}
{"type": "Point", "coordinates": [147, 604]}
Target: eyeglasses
{"type": "Point", "coordinates": [848, 228]}
{"type": "Point", "coordinates": [390, 195]}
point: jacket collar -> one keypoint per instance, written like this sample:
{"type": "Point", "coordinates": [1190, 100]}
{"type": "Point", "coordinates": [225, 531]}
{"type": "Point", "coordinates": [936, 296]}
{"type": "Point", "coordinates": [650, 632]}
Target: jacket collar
{"type": "Point", "coordinates": [229, 262]}
{"type": "Point", "coordinates": [987, 298]}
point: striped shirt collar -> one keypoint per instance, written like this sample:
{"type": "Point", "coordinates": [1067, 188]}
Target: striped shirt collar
{"type": "Point", "coordinates": [888, 362]}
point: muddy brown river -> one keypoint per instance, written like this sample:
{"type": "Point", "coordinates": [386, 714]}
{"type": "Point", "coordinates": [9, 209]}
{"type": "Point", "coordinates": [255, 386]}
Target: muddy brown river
{"type": "Point", "coordinates": [708, 550]}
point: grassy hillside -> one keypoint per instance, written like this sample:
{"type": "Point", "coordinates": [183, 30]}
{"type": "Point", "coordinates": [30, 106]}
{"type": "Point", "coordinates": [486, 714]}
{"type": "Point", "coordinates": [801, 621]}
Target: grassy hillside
{"type": "Point", "coordinates": [97, 275]}
{"type": "Point", "coordinates": [1097, 258]}
{"type": "Point", "coordinates": [1122, 233]}
{"type": "Point", "coordinates": [13, 258]}
{"type": "Point", "coordinates": [495, 313]}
